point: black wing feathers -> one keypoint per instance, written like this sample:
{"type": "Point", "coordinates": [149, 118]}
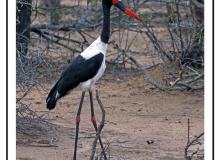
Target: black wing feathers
{"type": "Point", "coordinates": [79, 70]}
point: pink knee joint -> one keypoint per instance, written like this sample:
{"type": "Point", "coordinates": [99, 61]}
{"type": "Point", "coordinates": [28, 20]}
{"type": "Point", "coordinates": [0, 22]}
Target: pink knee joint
{"type": "Point", "coordinates": [77, 119]}
{"type": "Point", "coordinates": [93, 120]}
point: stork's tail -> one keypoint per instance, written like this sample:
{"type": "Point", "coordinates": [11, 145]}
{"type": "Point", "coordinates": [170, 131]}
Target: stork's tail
{"type": "Point", "coordinates": [52, 98]}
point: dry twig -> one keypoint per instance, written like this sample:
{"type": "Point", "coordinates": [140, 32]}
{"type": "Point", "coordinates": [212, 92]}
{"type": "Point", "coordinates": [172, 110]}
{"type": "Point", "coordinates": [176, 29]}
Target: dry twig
{"type": "Point", "coordinates": [99, 128]}
{"type": "Point", "coordinates": [191, 143]}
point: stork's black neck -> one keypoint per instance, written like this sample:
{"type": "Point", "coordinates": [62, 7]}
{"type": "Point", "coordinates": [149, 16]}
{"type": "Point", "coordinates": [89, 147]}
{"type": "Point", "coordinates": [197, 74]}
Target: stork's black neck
{"type": "Point", "coordinates": [106, 22]}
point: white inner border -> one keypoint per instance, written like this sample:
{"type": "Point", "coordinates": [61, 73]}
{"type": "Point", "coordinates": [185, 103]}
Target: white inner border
{"type": "Point", "coordinates": [208, 80]}
{"type": "Point", "coordinates": [217, 80]}
{"type": "Point", "coordinates": [12, 80]}
{"type": "Point", "coordinates": [12, 74]}
{"type": "Point", "coordinates": [3, 81]}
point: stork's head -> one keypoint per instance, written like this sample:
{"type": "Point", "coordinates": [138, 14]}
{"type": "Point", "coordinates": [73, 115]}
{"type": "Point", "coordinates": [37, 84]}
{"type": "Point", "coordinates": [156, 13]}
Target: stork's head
{"type": "Point", "coordinates": [119, 4]}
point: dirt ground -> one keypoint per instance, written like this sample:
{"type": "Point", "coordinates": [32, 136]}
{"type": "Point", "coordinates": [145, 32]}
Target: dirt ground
{"type": "Point", "coordinates": [136, 112]}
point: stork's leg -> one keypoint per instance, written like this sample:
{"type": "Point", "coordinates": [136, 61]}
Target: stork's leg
{"type": "Point", "coordinates": [93, 119]}
{"type": "Point", "coordinates": [77, 124]}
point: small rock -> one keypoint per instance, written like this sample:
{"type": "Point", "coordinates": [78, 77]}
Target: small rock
{"type": "Point", "coordinates": [123, 146]}
{"type": "Point", "coordinates": [150, 141]}
{"type": "Point", "coordinates": [43, 141]}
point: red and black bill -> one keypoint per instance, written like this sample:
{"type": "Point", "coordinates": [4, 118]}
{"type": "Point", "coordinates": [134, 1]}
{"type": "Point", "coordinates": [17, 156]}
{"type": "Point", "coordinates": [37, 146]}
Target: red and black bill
{"type": "Point", "coordinates": [123, 8]}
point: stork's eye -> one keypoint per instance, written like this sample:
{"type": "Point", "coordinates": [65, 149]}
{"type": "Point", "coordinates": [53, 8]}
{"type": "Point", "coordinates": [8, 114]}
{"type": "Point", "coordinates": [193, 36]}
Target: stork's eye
{"type": "Point", "coordinates": [115, 1]}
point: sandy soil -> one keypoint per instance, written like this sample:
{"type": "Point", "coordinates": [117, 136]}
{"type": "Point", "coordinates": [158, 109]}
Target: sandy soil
{"type": "Point", "coordinates": [135, 112]}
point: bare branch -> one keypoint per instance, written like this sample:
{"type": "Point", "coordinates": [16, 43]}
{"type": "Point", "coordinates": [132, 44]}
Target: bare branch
{"type": "Point", "coordinates": [195, 79]}
{"type": "Point", "coordinates": [150, 79]}
{"type": "Point", "coordinates": [189, 144]}
{"type": "Point", "coordinates": [100, 126]}
{"type": "Point", "coordinates": [200, 5]}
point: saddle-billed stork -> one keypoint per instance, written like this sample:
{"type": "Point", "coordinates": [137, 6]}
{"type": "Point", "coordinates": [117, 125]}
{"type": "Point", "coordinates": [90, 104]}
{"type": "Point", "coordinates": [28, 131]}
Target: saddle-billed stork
{"type": "Point", "coordinates": [87, 68]}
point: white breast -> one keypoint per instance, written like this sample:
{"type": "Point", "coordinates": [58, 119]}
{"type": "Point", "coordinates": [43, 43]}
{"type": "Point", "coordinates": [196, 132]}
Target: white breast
{"type": "Point", "coordinates": [95, 48]}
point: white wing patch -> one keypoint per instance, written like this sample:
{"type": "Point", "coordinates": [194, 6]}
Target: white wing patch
{"type": "Point", "coordinates": [57, 95]}
{"type": "Point", "coordinates": [48, 100]}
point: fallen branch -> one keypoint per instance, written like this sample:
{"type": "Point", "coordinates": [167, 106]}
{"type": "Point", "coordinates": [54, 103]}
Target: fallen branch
{"type": "Point", "coordinates": [199, 5]}
{"type": "Point", "coordinates": [190, 143]}
{"type": "Point", "coordinates": [150, 79]}
{"type": "Point", "coordinates": [196, 139]}
{"type": "Point", "coordinates": [195, 79]}
{"type": "Point", "coordinates": [42, 145]}
{"type": "Point", "coordinates": [180, 83]}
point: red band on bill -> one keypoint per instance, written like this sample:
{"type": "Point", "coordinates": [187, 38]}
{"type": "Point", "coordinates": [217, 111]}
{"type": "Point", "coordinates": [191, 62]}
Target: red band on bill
{"type": "Point", "coordinates": [132, 14]}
